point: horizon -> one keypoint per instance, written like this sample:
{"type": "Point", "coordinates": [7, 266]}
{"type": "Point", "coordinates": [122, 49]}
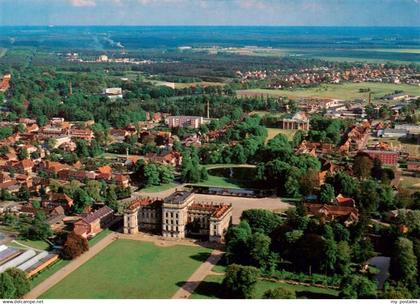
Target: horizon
{"type": "Point", "coordinates": [206, 25]}
{"type": "Point", "coordinates": [300, 13]}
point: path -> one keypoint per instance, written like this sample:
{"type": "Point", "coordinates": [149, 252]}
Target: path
{"type": "Point", "coordinates": [66, 270]}
{"type": "Point", "coordinates": [199, 275]}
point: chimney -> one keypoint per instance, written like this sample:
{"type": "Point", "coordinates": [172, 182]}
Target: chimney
{"type": "Point", "coordinates": [70, 89]}
{"type": "Point", "coordinates": [208, 109]}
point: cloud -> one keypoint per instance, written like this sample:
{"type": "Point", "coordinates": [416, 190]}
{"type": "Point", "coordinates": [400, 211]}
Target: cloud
{"type": "Point", "coordinates": [82, 3]}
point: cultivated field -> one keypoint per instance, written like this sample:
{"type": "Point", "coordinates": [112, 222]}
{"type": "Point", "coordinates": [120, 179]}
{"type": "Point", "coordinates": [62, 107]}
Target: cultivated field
{"type": "Point", "coordinates": [129, 269]}
{"type": "Point", "coordinates": [348, 91]}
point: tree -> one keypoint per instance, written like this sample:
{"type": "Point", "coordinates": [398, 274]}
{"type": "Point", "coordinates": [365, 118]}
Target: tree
{"type": "Point", "coordinates": [238, 154]}
{"type": "Point", "coordinates": [279, 293]}
{"type": "Point", "coordinates": [261, 220]}
{"type": "Point", "coordinates": [397, 292]}
{"type": "Point", "coordinates": [343, 257]}
{"type": "Point", "coordinates": [204, 175]}
{"type": "Point", "coordinates": [362, 166]}
{"type": "Point", "coordinates": [357, 287]}
{"type": "Point", "coordinates": [5, 132]}
{"type": "Point", "coordinates": [327, 194]}
{"type": "Point", "coordinates": [298, 138]}
{"type": "Point", "coordinates": [259, 251]}
{"type": "Point", "coordinates": [39, 228]}
{"type": "Point", "coordinates": [237, 243]}
{"type": "Point", "coordinates": [93, 189]}
{"type": "Point", "coordinates": [81, 200]}
{"type": "Point", "coordinates": [240, 281]}
{"type": "Point", "coordinates": [362, 250]}
{"type": "Point", "coordinates": [20, 281]}
{"type": "Point", "coordinates": [166, 174]}
{"type": "Point", "coordinates": [309, 181]}
{"type": "Point", "coordinates": [376, 171]}
{"type": "Point", "coordinates": [95, 149]}
{"type": "Point", "coordinates": [151, 174]}
{"type": "Point", "coordinates": [23, 193]}
{"type": "Point", "coordinates": [111, 197]}
{"type": "Point", "coordinates": [404, 262]}
{"type": "Point", "coordinates": [23, 154]}
{"type": "Point", "coordinates": [82, 148]}
{"type": "Point", "coordinates": [7, 288]}
{"type": "Point", "coordinates": [330, 255]}
{"type": "Point", "coordinates": [74, 246]}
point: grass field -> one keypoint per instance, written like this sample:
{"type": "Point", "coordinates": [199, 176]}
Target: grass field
{"type": "Point", "coordinates": [164, 187]}
{"type": "Point", "coordinates": [48, 272]}
{"type": "Point", "coordinates": [40, 245]}
{"type": "Point", "coordinates": [347, 91]}
{"type": "Point", "coordinates": [183, 85]}
{"type": "Point", "coordinates": [210, 288]}
{"type": "Point", "coordinates": [412, 183]}
{"type": "Point", "coordinates": [334, 54]}
{"type": "Point", "coordinates": [218, 181]}
{"type": "Point", "coordinates": [131, 269]}
{"type": "Point", "coordinates": [272, 132]}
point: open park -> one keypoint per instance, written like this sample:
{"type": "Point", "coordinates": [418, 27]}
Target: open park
{"type": "Point", "coordinates": [138, 270]}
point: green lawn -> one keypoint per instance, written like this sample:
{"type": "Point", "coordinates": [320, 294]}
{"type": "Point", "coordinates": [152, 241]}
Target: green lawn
{"type": "Point", "coordinates": [43, 275]}
{"type": "Point", "coordinates": [272, 132]}
{"type": "Point", "coordinates": [40, 245]}
{"type": "Point", "coordinates": [211, 288]}
{"type": "Point", "coordinates": [131, 269]}
{"type": "Point", "coordinates": [218, 181]}
{"type": "Point", "coordinates": [159, 188]}
{"type": "Point", "coordinates": [99, 237]}
{"type": "Point", "coordinates": [346, 91]}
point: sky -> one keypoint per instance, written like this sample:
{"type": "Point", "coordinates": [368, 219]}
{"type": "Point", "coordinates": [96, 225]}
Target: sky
{"type": "Point", "coordinates": [211, 12]}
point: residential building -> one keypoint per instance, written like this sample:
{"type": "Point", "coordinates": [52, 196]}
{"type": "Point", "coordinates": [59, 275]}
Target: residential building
{"type": "Point", "coordinates": [328, 213]}
{"type": "Point", "coordinates": [94, 222]}
{"type": "Point", "coordinates": [185, 121]}
{"type": "Point", "coordinates": [387, 157]}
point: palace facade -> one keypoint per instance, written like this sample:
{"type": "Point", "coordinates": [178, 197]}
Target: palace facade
{"type": "Point", "coordinates": [177, 216]}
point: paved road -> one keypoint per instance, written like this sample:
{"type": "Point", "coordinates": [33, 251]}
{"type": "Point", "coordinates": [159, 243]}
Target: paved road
{"type": "Point", "coordinates": [66, 270]}
{"type": "Point", "coordinates": [199, 275]}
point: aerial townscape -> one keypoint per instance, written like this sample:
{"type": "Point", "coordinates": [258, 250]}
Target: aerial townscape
{"type": "Point", "coordinates": [208, 162]}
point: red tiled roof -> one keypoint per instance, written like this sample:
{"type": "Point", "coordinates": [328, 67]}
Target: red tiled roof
{"type": "Point", "coordinates": [216, 210]}
{"type": "Point", "coordinates": [105, 170]}
{"type": "Point", "coordinates": [144, 201]}
{"type": "Point", "coordinates": [27, 163]}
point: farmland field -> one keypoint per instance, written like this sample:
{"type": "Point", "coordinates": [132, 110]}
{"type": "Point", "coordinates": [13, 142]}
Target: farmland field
{"type": "Point", "coordinates": [346, 91]}
{"type": "Point", "coordinates": [139, 270]}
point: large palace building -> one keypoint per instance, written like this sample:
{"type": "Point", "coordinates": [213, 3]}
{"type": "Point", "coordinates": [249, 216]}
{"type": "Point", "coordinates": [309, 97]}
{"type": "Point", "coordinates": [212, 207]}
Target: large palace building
{"type": "Point", "coordinates": [177, 216]}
